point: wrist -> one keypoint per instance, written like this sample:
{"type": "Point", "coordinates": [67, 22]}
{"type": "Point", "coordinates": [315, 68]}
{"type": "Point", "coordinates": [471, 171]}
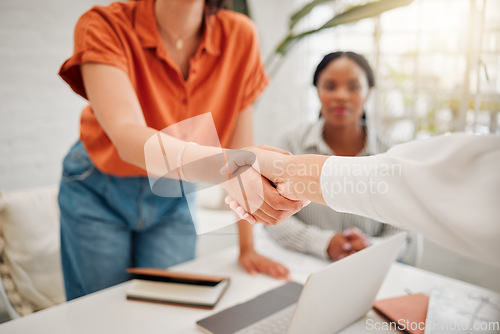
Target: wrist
{"type": "Point", "coordinates": [180, 164]}
{"type": "Point", "coordinates": [330, 250]}
{"type": "Point", "coordinates": [201, 163]}
{"type": "Point", "coordinates": [246, 249]}
{"type": "Point", "coordinates": [303, 173]}
{"type": "Point", "coordinates": [283, 169]}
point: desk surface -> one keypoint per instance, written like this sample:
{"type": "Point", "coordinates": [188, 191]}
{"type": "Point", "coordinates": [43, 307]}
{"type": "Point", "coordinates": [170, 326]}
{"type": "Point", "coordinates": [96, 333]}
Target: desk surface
{"type": "Point", "coordinates": [108, 311]}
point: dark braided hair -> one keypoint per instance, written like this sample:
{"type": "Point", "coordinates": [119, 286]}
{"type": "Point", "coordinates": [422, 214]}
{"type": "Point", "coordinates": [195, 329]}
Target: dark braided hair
{"type": "Point", "coordinates": [357, 58]}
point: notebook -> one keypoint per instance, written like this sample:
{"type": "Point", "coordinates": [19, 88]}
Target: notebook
{"type": "Point", "coordinates": [405, 313]}
{"type": "Point", "coordinates": [163, 286]}
{"type": "Point", "coordinates": [331, 298]}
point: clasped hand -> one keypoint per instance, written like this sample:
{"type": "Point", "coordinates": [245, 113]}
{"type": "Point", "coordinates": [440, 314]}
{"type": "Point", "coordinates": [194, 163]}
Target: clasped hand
{"type": "Point", "coordinates": [258, 170]}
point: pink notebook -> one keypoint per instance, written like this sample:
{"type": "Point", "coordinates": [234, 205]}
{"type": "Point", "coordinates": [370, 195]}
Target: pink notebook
{"type": "Point", "coordinates": [405, 313]}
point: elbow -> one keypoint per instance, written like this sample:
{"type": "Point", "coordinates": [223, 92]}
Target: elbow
{"type": "Point", "coordinates": [128, 155]}
{"type": "Point", "coordinates": [124, 151]}
{"type": "Point", "coordinates": [124, 155]}
{"type": "Point", "coordinates": [123, 145]}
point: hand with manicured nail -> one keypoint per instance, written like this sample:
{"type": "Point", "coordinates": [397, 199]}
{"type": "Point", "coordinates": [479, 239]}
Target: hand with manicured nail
{"type": "Point", "coordinates": [243, 214]}
{"type": "Point", "coordinates": [252, 193]}
{"type": "Point", "coordinates": [259, 201]}
{"type": "Point", "coordinates": [346, 243]}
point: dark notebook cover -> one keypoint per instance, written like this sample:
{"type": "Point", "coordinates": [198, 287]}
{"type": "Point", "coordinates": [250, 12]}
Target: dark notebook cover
{"type": "Point", "coordinates": [182, 289]}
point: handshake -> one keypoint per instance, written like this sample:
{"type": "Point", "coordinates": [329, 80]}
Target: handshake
{"type": "Point", "coordinates": [264, 184]}
{"type": "Point", "coordinates": [285, 185]}
{"type": "Point", "coordinates": [267, 185]}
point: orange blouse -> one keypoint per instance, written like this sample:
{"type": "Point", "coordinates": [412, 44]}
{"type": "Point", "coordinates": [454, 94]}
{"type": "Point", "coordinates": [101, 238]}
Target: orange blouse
{"type": "Point", "coordinates": [226, 74]}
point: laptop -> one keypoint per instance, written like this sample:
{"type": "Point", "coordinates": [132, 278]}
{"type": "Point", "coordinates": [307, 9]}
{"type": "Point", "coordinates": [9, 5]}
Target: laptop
{"type": "Point", "coordinates": [331, 299]}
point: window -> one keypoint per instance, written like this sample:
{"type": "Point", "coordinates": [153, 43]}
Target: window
{"type": "Point", "coordinates": [437, 65]}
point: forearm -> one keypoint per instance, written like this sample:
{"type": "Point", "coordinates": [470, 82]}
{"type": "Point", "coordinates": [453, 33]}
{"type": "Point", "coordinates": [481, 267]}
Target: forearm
{"type": "Point", "coordinates": [246, 239]}
{"type": "Point", "coordinates": [243, 137]}
{"type": "Point", "coordinates": [303, 174]}
{"type": "Point", "coordinates": [118, 111]}
{"type": "Point", "coordinates": [160, 154]}
{"type": "Point", "coordinates": [130, 141]}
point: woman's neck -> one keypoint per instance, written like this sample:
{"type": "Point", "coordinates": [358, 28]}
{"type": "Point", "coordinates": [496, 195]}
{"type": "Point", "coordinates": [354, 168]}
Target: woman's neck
{"type": "Point", "coordinates": [180, 23]}
{"type": "Point", "coordinates": [346, 140]}
{"type": "Point", "coordinates": [181, 17]}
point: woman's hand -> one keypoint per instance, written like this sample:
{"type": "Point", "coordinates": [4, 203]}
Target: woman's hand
{"type": "Point", "coordinates": [267, 160]}
{"type": "Point", "coordinates": [346, 243]}
{"type": "Point", "coordinates": [261, 202]}
{"type": "Point", "coordinates": [254, 263]}
{"type": "Point", "coordinates": [254, 193]}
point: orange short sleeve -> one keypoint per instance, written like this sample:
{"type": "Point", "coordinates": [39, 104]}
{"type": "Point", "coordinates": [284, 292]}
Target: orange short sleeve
{"type": "Point", "coordinates": [94, 41]}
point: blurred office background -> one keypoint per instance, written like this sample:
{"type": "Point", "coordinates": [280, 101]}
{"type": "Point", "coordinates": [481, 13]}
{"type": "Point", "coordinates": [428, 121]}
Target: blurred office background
{"type": "Point", "coordinates": [437, 65]}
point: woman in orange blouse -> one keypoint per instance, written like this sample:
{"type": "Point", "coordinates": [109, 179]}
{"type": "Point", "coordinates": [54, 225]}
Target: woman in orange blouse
{"type": "Point", "coordinates": [145, 66]}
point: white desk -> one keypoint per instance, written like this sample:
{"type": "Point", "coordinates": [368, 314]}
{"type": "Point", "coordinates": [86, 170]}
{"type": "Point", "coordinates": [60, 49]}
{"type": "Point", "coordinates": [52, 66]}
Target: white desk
{"type": "Point", "coordinates": [109, 312]}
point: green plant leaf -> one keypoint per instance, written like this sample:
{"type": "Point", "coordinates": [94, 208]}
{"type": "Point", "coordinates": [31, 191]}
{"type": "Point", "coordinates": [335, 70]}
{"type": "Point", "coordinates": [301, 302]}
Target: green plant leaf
{"type": "Point", "coordinates": [370, 9]}
{"type": "Point", "coordinates": [301, 13]}
{"type": "Point", "coordinates": [351, 15]}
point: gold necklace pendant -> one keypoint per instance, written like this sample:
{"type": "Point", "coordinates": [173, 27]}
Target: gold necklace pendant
{"type": "Point", "coordinates": [179, 44]}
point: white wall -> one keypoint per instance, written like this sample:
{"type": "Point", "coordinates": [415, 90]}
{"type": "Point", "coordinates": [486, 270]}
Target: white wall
{"type": "Point", "coordinates": [39, 114]}
{"type": "Point", "coordinates": [284, 102]}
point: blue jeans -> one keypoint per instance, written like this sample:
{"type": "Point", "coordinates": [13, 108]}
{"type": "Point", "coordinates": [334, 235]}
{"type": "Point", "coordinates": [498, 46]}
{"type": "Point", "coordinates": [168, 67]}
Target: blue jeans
{"type": "Point", "coordinates": [110, 223]}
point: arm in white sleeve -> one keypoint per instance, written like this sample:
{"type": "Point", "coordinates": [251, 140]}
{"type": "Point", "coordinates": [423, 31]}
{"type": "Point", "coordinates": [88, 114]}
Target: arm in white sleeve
{"type": "Point", "coordinates": [296, 235]}
{"type": "Point", "coordinates": [446, 188]}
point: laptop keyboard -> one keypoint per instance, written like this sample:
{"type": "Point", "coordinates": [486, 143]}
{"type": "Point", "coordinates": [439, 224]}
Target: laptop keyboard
{"type": "Point", "coordinates": [276, 323]}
